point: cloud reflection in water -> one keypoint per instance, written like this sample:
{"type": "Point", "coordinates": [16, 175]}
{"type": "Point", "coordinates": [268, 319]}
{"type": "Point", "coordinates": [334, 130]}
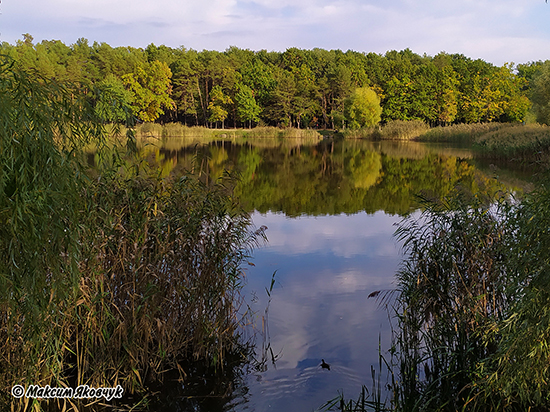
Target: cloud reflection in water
{"type": "Point", "coordinates": [326, 268]}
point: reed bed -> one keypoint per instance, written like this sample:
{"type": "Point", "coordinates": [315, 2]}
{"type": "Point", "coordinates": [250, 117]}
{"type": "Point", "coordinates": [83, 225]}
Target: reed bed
{"type": "Point", "coordinates": [403, 130]}
{"type": "Point", "coordinates": [158, 131]}
{"type": "Point", "coordinates": [286, 133]}
{"type": "Point", "coordinates": [469, 337]}
{"type": "Point", "coordinates": [115, 278]}
{"type": "Point", "coordinates": [370, 133]}
{"type": "Point", "coordinates": [393, 130]}
{"type": "Point", "coordinates": [526, 143]}
{"type": "Point", "coordinates": [451, 290]}
{"type": "Point", "coordinates": [459, 133]}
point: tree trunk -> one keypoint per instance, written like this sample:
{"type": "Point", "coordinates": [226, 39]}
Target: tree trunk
{"type": "Point", "coordinates": [202, 105]}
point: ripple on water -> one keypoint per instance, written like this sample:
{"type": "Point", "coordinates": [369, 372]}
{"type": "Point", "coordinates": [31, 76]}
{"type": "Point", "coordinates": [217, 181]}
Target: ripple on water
{"type": "Point", "coordinates": [276, 386]}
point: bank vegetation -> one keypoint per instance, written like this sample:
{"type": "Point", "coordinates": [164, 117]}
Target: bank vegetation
{"type": "Point", "coordinates": [113, 277]}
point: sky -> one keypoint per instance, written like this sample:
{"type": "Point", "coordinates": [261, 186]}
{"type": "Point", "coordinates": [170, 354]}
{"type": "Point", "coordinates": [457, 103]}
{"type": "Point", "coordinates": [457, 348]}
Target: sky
{"type": "Point", "coordinates": [497, 31]}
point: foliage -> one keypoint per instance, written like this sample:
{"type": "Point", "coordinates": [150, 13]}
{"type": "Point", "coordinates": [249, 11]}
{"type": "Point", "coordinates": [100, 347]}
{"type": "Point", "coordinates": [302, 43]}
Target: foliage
{"type": "Point", "coordinates": [247, 108]}
{"type": "Point", "coordinates": [540, 93]}
{"type": "Point", "coordinates": [150, 86]}
{"type": "Point", "coordinates": [447, 95]}
{"type": "Point", "coordinates": [113, 102]}
{"type": "Point", "coordinates": [472, 306]}
{"type": "Point", "coordinates": [452, 290]}
{"type": "Point", "coordinates": [298, 88]}
{"type": "Point", "coordinates": [216, 107]}
{"type": "Point", "coordinates": [41, 132]}
{"type": "Point", "coordinates": [519, 370]}
{"type": "Point", "coordinates": [362, 108]}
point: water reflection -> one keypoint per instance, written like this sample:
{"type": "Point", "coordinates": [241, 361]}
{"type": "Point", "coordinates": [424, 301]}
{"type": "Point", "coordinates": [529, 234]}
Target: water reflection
{"type": "Point", "coordinates": [326, 268]}
{"type": "Point", "coordinates": [329, 177]}
{"type": "Point", "coordinates": [330, 209]}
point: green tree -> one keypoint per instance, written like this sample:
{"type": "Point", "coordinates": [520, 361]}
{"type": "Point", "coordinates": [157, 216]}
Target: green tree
{"type": "Point", "coordinates": [150, 87]}
{"type": "Point", "coordinates": [307, 95]}
{"type": "Point", "coordinates": [281, 106]}
{"type": "Point", "coordinates": [362, 108]}
{"type": "Point", "coordinates": [540, 93]}
{"type": "Point", "coordinates": [339, 88]}
{"type": "Point", "coordinates": [259, 77]}
{"type": "Point", "coordinates": [185, 83]}
{"type": "Point", "coordinates": [247, 108]}
{"type": "Point", "coordinates": [113, 102]}
{"type": "Point", "coordinates": [217, 106]}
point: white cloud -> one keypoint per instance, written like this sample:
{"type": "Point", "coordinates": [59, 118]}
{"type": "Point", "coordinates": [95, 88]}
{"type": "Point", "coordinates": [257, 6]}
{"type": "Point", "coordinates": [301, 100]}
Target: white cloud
{"type": "Point", "coordinates": [497, 31]}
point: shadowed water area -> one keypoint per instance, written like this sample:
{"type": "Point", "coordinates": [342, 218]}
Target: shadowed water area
{"type": "Point", "coordinates": [330, 209]}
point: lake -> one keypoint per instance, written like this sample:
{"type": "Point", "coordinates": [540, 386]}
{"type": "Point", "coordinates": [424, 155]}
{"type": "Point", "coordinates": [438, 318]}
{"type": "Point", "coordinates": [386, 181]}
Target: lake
{"type": "Point", "coordinates": [330, 209]}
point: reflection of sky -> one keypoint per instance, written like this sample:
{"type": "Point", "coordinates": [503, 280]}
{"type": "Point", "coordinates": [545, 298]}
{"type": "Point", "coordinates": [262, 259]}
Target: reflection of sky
{"type": "Point", "coordinates": [343, 236]}
{"type": "Point", "coordinates": [326, 267]}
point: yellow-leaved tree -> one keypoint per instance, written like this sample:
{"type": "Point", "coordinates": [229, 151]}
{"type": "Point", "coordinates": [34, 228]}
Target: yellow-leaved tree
{"type": "Point", "coordinates": [362, 108]}
{"type": "Point", "coordinates": [150, 87]}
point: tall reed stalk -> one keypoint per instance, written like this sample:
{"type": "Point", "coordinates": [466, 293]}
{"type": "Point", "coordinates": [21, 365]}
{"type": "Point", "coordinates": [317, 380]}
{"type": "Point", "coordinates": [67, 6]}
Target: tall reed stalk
{"type": "Point", "coordinates": [452, 288]}
{"type": "Point", "coordinates": [111, 279]}
{"type": "Point", "coordinates": [473, 306]}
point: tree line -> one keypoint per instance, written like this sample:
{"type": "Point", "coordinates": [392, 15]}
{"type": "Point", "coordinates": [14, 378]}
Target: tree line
{"type": "Point", "coordinates": [296, 88]}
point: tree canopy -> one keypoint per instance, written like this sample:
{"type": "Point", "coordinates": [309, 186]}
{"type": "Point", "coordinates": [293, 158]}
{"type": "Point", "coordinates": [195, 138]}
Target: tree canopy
{"type": "Point", "coordinates": [363, 108]}
{"type": "Point", "coordinates": [302, 88]}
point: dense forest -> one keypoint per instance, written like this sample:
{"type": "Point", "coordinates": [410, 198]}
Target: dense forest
{"type": "Point", "coordinates": [299, 88]}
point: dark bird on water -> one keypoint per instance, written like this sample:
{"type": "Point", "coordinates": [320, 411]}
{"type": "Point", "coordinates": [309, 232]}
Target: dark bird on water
{"type": "Point", "coordinates": [324, 365]}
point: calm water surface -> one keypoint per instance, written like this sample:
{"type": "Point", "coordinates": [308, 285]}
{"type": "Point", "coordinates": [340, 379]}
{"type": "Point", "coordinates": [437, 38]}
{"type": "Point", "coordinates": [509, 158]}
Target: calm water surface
{"type": "Point", "coordinates": [331, 209]}
{"type": "Point", "coordinates": [326, 268]}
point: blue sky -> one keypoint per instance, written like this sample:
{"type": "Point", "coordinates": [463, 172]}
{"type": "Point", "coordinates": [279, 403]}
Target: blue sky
{"type": "Point", "coordinates": [497, 31]}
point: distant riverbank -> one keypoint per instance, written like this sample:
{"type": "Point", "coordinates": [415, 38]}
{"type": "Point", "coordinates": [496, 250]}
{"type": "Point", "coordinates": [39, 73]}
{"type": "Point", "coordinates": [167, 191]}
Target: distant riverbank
{"type": "Point", "coordinates": [499, 141]}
